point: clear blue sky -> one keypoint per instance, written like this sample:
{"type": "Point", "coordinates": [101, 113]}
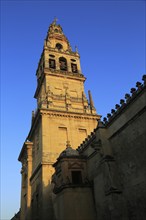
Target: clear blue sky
{"type": "Point", "coordinates": [110, 36]}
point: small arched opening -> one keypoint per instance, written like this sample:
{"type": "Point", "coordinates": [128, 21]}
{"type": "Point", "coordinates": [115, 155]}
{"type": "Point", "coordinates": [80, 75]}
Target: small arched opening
{"type": "Point", "coordinates": [74, 67]}
{"type": "Point", "coordinates": [52, 64]}
{"type": "Point", "coordinates": [63, 63]}
{"type": "Point", "coordinates": [59, 46]}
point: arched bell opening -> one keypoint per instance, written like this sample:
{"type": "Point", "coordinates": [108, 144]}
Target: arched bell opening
{"type": "Point", "coordinates": [63, 63]}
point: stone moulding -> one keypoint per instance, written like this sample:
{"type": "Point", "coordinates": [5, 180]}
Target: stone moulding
{"type": "Point", "coordinates": [70, 115]}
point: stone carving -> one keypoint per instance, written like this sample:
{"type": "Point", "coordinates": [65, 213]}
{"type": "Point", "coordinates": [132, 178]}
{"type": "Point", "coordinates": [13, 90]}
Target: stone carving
{"type": "Point", "coordinates": [75, 165]}
{"type": "Point", "coordinates": [110, 175]}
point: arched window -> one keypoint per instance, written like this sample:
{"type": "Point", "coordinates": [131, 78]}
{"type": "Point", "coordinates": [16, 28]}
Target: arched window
{"type": "Point", "coordinates": [52, 64]}
{"type": "Point", "coordinates": [63, 63]}
{"type": "Point", "coordinates": [56, 30]}
{"type": "Point", "coordinates": [59, 46]}
{"type": "Point", "coordinates": [74, 67]}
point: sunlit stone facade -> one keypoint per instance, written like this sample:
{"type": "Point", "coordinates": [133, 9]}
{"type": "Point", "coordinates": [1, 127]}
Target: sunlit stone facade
{"type": "Point", "coordinates": [74, 166]}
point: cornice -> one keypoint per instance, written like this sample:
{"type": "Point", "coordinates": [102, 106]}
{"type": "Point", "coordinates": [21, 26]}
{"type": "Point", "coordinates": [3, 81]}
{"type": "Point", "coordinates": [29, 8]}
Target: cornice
{"type": "Point", "coordinates": [24, 148]}
{"type": "Point", "coordinates": [62, 74]}
{"type": "Point", "coordinates": [55, 113]}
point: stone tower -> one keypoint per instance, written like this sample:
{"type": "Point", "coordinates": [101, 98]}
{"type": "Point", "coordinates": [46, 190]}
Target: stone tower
{"type": "Point", "coordinates": [63, 114]}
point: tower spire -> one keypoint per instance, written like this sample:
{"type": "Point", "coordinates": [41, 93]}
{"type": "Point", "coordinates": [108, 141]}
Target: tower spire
{"type": "Point", "coordinates": [91, 103]}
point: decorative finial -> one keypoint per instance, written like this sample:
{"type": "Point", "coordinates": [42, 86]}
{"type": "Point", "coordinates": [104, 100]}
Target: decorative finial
{"type": "Point", "coordinates": [105, 120]}
{"type": "Point", "coordinates": [108, 115]}
{"type": "Point", "coordinates": [133, 90]}
{"type": "Point", "coordinates": [76, 49]}
{"type": "Point", "coordinates": [127, 96]}
{"type": "Point", "coordinates": [68, 144]}
{"type": "Point", "coordinates": [122, 101]}
{"type": "Point", "coordinates": [113, 111]}
{"type": "Point", "coordinates": [117, 106]}
{"type": "Point", "coordinates": [139, 85]}
{"type": "Point", "coordinates": [90, 99]}
{"type": "Point", "coordinates": [55, 20]}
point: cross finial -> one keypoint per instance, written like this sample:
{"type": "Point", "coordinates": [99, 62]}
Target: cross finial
{"type": "Point", "coordinates": [55, 20]}
{"type": "Point", "coordinates": [68, 144]}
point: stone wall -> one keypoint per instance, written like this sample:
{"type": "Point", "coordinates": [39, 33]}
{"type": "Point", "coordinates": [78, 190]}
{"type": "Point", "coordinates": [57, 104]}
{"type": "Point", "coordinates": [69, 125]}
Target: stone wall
{"type": "Point", "coordinates": [116, 159]}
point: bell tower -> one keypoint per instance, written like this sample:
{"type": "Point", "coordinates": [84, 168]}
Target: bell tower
{"type": "Point", "coordinates": [63, 114]}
